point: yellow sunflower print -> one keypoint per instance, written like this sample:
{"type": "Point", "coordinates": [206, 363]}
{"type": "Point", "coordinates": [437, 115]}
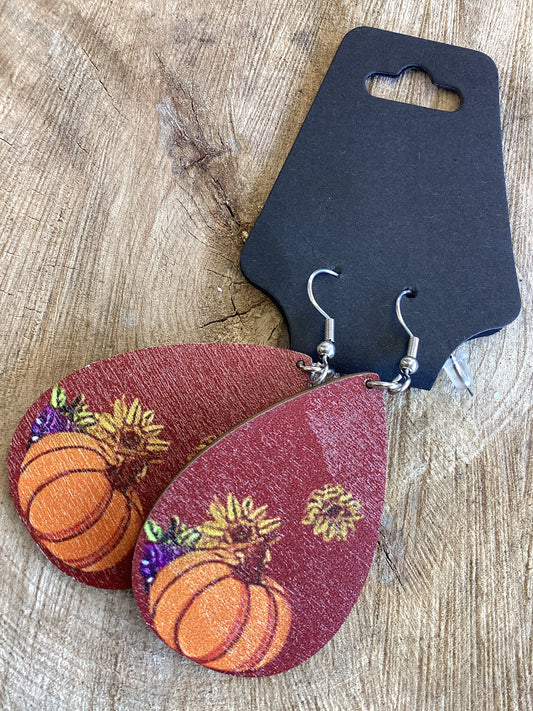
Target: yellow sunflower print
{"type": "Point", "coordinates": [128, 434]}
{"type": "Point", "coordinates": [236, 526]}
{"type": "Point", "coordinates": [333, 512]}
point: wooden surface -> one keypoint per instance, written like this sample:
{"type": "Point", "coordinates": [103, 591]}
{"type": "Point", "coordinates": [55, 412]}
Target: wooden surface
{"type": "Point", "coordinates": [138, 141]}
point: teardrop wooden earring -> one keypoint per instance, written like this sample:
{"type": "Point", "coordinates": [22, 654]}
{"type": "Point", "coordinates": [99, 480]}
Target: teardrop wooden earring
{"type": "Point", "coordinates": [92, 455]}
{"type": "Point", "coordinates": [254, 556]}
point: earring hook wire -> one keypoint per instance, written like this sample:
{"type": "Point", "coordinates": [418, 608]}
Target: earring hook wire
{"type": "Point", "coordinates": [409, 363]}
{"type": "Point", "coordinates": [310, 290]}
{"type": "Point", "coordinates": [399, 316]}
{"type": "Point", "coordinates": [321, 371]}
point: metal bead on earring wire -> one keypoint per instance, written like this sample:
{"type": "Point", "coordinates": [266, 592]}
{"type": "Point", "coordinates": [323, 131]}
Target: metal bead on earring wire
{"type": "Point", "coordinates": [408, 363]}
{"type": "Point", "coordinates": [326, 349]}
{"type": "Point", "coordinates": [321, 372]}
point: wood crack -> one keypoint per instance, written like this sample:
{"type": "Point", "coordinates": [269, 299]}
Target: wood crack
{"type": "Point", "coordinates": [229, 317]}
{"type": "Point", "coordinates": [104, 87]}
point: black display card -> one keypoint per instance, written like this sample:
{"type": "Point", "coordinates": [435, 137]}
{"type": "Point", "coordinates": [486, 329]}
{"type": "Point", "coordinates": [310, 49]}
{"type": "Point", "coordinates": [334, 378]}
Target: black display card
{"type": "Point", "coordinates": [394, 195]}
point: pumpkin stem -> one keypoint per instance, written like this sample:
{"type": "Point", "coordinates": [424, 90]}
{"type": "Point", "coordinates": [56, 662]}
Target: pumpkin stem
{"type": "Point", "coordinates": [250, 570]}
{"type": "Point", "coordinates": [126, 474]}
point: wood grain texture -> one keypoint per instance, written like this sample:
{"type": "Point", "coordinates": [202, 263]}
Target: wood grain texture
{"type": "Point", "coordinates": [138, 141]}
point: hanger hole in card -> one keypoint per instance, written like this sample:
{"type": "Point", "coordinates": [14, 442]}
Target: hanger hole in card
{"type": "Point", "coordinates": [413, 85]}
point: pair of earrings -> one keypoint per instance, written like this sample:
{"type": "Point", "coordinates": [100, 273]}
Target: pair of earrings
{"type": "Point", "coordinates": [250, 560]}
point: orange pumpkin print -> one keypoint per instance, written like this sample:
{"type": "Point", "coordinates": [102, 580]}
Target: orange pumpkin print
{"type": "Point", "coordinates": [71, 504]}
{"type": "Point", "coordinates": [218, 608]}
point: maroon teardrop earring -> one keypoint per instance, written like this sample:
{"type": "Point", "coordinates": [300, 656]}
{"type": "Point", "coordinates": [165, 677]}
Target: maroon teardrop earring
{"type": "Point", "coordinates": [92, 455]}
{"type": "Point", "coordinates": [255, 554]}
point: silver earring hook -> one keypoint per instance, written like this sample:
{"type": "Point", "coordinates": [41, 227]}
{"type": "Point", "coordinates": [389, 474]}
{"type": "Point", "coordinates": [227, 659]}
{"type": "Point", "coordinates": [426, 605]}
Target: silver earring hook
{"type": "Point", "coordinates": [321, 370]}
{"type": "Point", "coordinates": [409, 363]}
{"type": "Point", "coordinates": [405, 292]}
{"type": "Point", "coordinates": [329, 327]}
{"type": "Point", "coordinates": [310, 289]}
